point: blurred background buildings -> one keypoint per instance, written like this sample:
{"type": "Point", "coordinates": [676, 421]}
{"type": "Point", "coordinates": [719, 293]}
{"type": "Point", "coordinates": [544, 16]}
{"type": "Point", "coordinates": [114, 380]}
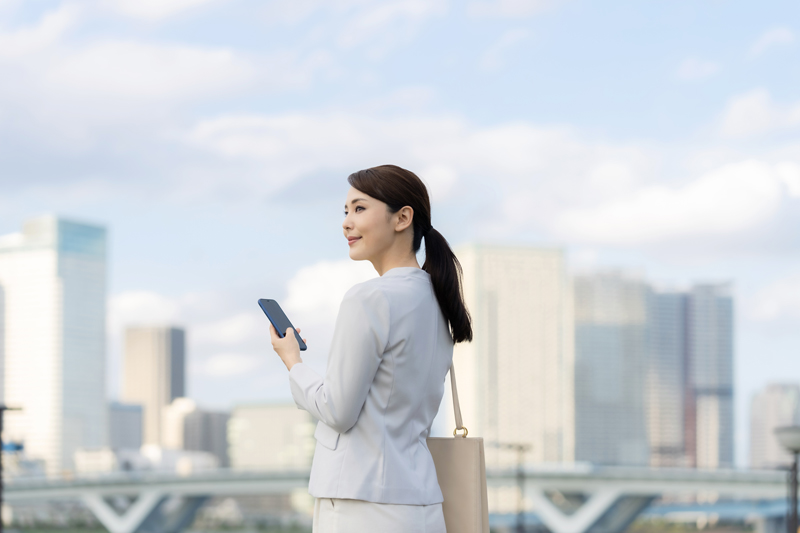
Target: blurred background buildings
{"type": "Point", "coordinates": [515, 378]}
{"type": "Point", "coordinates": [599, 367]}
{"type": "Point", "coordinates": [776, 405]}
{"type": "Point", "coordinates": [654, 373]}
{"type": "Point", "coordinates": [660, 136]}
{"type": "Point", "coordinates": [154, 374]}
{"type": "Point", "coordinates": [53, 286]}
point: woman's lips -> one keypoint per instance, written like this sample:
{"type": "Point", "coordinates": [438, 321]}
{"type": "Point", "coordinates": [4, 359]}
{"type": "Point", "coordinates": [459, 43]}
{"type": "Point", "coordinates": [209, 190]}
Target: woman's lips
{"type": "Point", "coordinates": [351, 240]}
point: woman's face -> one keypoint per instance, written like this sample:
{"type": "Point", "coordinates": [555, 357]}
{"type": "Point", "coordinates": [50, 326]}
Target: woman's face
{"type": "Point", "coordinates": [368, 226]}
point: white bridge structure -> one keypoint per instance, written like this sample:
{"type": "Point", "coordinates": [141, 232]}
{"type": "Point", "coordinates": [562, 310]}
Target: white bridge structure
{"type": "Point", "coordinates": [611, 498]}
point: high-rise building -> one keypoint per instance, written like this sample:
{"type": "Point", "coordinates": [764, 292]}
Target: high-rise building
{"type": "Point", "coordinates": [610, 367]}
{"type": "Point", "coordinates": [515, 378]}
{"type": "Point", "coordinates": [270, 437]}
{"type": "Point", "coordinates": [124, 426]}
{"type": "Point", "coordinates": [653, 373]}
{"type": "Point", "coordinates": [777, 405]}
{"type": "Point", "coordinates": [709, 376]}
{"type": "Point", "coordinates": [53, 294]}
{"type": "Point", "coordinates": [187, 427]}
{"type": "Point", "coordinates": [154, 373]}
{"type": "Point", "coordinates": [665, 378]}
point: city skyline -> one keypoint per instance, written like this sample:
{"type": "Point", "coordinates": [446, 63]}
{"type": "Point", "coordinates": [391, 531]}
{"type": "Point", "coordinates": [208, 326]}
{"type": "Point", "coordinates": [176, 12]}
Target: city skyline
{"type": "Point", "coordinates": [213, 138]}
{"type": "Point", "coordinates": [159, 347]}
{"type": "Point", "coordinates": [653, 372]}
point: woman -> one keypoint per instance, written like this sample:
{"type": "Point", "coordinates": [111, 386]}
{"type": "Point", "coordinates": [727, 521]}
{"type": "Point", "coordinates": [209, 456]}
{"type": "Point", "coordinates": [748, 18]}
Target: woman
{"type": "Point", "coordinates": [391, 350]}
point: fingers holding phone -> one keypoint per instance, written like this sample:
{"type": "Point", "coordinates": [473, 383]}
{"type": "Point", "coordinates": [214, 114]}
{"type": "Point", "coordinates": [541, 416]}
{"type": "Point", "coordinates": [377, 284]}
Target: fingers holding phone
{"type": "Point", "coordinates": [286, 341]}
{"type": "Point", "coordinates": [287, 347]}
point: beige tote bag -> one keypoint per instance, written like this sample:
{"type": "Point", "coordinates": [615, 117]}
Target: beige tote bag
{"type": "Point", "coordinates": [461, 470]}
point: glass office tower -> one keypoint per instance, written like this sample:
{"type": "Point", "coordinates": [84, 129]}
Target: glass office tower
{"type": "Point", "coordinates": [610, 367]}
{"type": "Point", "coordinates": [665, 378]}
{"type": "Point", "coordinates": [653, 373]}
{"type": "Point", "coordinates": [53, 280]}
{"type": "Point", "coordinates": [709, 376]}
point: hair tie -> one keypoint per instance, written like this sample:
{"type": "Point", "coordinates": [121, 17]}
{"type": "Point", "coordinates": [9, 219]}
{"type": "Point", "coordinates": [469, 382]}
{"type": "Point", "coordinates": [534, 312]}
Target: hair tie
{"type": "Point", "coordinates": [427, 230]}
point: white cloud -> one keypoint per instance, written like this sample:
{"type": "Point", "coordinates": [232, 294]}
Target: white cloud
{"type": "Point", "coordinates": [730, 199]}
{"type": "Point", "coordinates": [769, 39]}
{"type": "Point", "coordinates": [147, 71]}
{"type": "Point", "coordinates": [405, 99]}
{"type": "Point", "coordinates": [779, 300]}
{"type": "Point", "coordinates": [65, 92]}
{"type": "Point", "coordinates": [517, 157]}
{"type": "Point", "coordinates": [315, 292]}
{"type": "Point", "coordinates": [153, 9]}
{"type": "Point", "coordinates": [697, 69]}
{"type": "Point", "coordinates": [789, 173]}
{"type": "Point", "coordinates": [49, 30]}
{"type": "Point", "coordinates": [496, 56]}
{"type": "Point", "coordinates": [226, 365]}
{"type": "Point", "coordinates": [755, 113]}
{"type": "Point", "coordinates": [375, 26]}
{"type": "Point", "coordinates": [440, 180]}
{"type": "Point", "coordinates": [508, 8]}
{"type": "Point", "coordinates": [231, 330]}
{"type": "Point", "coordinates": [140, 308]}
{"type": "Point", "coordinates": [382, 21]}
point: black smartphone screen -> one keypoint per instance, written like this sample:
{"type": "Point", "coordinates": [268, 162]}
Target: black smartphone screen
{"type": "Point", "coordinates": [279, 319]}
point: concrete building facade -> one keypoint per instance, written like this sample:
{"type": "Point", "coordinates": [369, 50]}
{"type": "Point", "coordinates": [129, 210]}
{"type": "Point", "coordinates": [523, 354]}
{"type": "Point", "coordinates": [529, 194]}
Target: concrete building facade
{"type": "Point", "coordinates": [187, 427]}
{"type": "Point", "coordinates": [515, 378]}
{"type": "Point", "coordinates": [778, 404]}
{"type": "Point", "coordinates": [124, 426]}
{"type": "Point", "coordinates": [154, 373]}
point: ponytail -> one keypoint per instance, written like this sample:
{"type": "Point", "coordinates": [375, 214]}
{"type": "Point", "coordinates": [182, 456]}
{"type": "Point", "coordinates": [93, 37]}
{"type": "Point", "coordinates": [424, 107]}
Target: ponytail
{"type": "Point", "coordinates": [445, 271]}
{"type": "Point", "coordinates": [397, 188]}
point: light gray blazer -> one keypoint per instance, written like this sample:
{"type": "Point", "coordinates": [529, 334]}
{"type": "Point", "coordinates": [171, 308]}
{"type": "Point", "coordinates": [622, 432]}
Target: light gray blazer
{"type": "Point", "coordinates": [389, 357]}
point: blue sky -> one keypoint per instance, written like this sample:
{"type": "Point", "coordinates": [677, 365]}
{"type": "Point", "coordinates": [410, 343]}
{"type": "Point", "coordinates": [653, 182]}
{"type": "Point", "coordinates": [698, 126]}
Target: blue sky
{"type": "Point", "coordinates": [213, 138]}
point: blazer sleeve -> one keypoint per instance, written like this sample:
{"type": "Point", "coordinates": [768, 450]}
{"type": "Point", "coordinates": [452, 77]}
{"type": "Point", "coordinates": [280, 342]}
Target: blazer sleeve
{"type": "Point", "coordinates": [360, 338]}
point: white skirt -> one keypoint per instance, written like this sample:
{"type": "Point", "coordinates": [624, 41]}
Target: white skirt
{"type": "Point", "coordinates": [333, 515]}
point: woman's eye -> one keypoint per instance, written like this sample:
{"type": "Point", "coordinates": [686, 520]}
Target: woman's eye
{"type": "Point", "coordinates": [358, 207]}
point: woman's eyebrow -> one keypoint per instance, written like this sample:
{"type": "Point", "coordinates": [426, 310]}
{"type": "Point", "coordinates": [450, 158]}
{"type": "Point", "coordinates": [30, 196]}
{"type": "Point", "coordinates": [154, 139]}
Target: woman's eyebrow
{"type": "Point", "coordinates": [354, 201]}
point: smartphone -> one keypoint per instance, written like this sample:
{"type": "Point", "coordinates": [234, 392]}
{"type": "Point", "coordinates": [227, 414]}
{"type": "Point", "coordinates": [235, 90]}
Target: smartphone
{"type": "Point", "coordinates": [279, 319]}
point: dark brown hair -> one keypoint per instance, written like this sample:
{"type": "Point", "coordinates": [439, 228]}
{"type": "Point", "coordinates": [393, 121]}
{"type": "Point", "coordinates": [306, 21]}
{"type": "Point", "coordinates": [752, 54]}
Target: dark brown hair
{"type": "Point", "coordinates": [397, 188]}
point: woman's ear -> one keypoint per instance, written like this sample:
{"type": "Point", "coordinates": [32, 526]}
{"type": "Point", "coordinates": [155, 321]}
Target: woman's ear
{"type": "Point", "coordinates": [405, 217]}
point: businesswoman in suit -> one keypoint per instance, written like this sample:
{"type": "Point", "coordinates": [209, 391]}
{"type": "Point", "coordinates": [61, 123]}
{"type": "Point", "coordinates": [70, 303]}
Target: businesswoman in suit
{"type": "Point", "coordinates": [392, 347]}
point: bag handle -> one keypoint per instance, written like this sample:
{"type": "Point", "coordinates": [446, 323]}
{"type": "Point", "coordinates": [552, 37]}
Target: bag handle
{"type": "Point", "coordinates": [456, 405]}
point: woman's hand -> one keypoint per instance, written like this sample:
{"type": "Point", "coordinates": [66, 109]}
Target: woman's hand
{"type": "Point", "coordinates": [287, 347]}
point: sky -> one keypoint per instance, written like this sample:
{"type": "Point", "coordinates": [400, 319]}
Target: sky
{"type": "Point", "coordinates": [213, 139]}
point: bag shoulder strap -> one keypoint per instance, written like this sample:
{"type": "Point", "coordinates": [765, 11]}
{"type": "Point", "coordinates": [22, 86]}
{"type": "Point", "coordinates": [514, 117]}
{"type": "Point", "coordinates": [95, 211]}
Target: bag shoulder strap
{"type": "Point", "coordinates": [456, 405]}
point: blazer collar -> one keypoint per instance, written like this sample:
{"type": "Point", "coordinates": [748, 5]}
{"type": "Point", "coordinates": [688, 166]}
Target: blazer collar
{"type": "Point", "coordinates": [401, 271]}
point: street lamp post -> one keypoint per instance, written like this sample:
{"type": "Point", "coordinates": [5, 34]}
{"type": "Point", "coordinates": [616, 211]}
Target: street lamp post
{"type": "Point", "coordinates": [521, 450]}
{"type": "Point", "coordinates": [789, 437]}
